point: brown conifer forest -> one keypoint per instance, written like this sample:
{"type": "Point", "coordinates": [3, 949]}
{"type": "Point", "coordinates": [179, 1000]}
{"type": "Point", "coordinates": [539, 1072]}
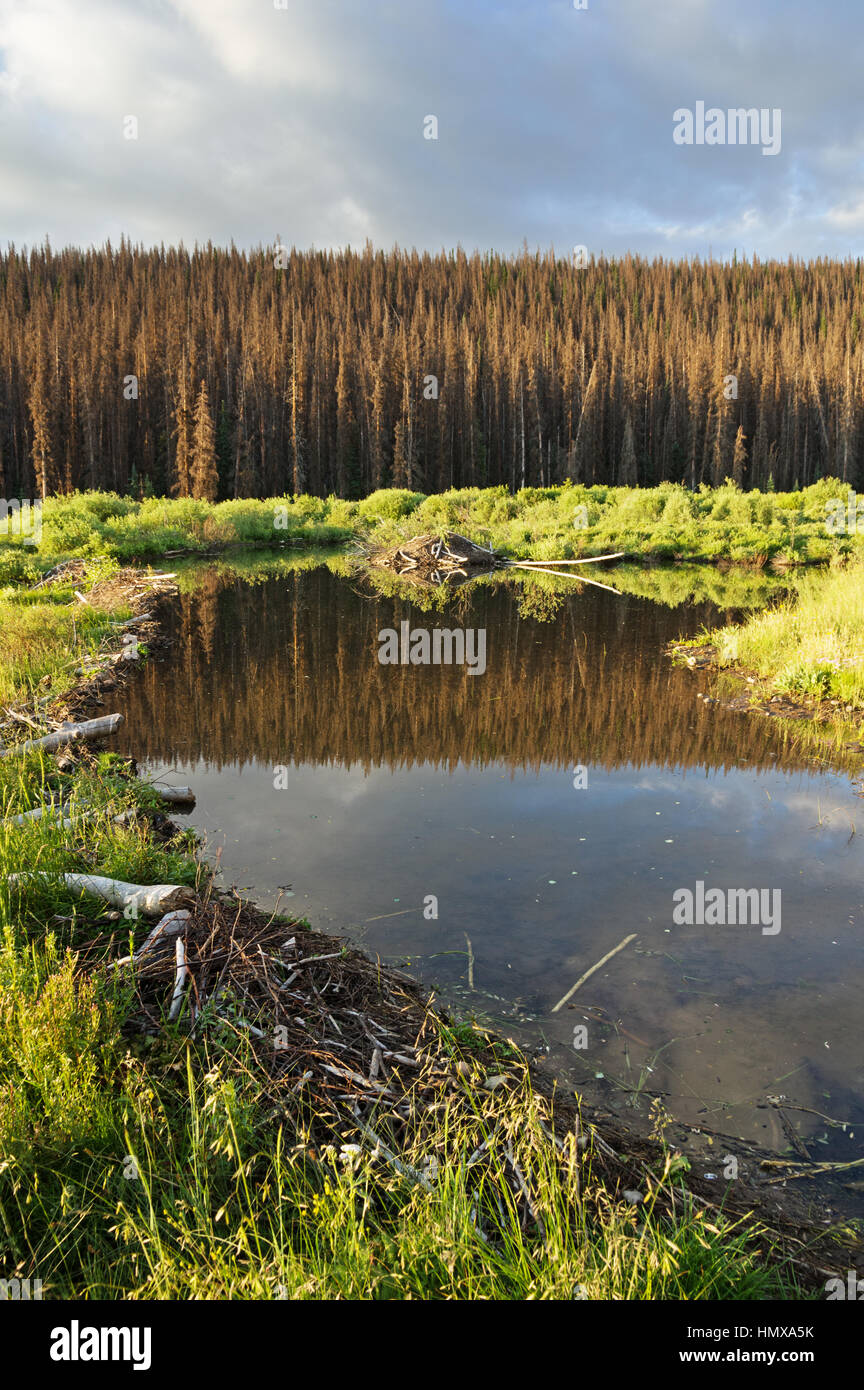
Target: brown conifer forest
{"type": "Point", "coordinates": [215, 373]}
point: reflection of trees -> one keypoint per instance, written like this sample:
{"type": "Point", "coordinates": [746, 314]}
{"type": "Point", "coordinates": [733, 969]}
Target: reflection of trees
{"type": "Point", "coordinates": [288, 670]}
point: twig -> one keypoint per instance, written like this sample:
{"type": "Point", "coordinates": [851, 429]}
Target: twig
{"type": "Point", "coordinates": [180, 980]}
{"type": "Point", "coordinates": [589, 973]}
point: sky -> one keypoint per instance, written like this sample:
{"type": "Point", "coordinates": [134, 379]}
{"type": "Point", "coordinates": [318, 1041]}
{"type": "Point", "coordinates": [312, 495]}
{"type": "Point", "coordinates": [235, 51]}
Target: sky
{"type": "Point", "coordinates": [308, 124]}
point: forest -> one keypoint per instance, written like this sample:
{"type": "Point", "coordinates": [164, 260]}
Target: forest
{"type": "Point", "coordinates": [219, 373]}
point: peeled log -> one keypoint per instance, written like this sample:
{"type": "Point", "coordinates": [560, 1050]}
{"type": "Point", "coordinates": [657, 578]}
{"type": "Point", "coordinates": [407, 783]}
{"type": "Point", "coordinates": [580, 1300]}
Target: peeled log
{"type": "Point", "coordinates": [177, 796]}
{"type": "Point", "coordinates": [148, 900]}
{"type": "Point", "coordinates": [167, 926]}
{"type": "Point", "coordinates": [89, 729]}
{"type": "Point", "coordinates": [36, 814]}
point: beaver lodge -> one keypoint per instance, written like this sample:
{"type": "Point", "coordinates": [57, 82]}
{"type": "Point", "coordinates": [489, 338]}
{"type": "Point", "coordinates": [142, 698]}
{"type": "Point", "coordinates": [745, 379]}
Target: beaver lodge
{"type": "Point", "coordinates": [435, 558]}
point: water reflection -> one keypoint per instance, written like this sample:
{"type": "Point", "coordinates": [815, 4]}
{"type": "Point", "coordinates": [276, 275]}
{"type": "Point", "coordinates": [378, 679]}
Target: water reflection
{"type": "Point", "coordinates": [365, 790]}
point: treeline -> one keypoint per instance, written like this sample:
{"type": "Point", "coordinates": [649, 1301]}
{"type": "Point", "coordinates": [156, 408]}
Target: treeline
{"type": "Point", "coordinates": [220, 373]}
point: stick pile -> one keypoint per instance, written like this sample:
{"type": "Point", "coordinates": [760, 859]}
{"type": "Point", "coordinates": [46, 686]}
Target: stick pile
{"type": "Point", "coordinates": [435, 559]}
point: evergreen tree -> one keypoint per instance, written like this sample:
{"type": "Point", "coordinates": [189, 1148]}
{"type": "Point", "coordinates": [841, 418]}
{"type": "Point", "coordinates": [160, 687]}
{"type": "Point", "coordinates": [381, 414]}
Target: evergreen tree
{"type": "Point", "coordinates": [203, 471]}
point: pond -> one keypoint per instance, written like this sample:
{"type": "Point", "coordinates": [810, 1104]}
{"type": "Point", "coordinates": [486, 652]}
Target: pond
{"type": "Point", "coordinates": [502, 831]}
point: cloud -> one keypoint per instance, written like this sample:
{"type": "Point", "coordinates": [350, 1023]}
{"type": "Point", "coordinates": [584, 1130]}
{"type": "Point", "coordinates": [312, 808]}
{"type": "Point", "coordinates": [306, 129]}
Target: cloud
{"type": "Point", "coordinates": [555, 125]}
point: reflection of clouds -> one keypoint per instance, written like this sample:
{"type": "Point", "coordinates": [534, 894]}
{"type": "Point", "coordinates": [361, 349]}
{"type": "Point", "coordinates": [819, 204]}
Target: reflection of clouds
{"type": "Point", "coordinates": [339, 785]}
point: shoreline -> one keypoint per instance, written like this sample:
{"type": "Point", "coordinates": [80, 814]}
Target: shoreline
{"type": "Point", "coordinates": [431, 1054]}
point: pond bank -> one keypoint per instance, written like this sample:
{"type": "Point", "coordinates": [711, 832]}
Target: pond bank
{"type": "Point", "coordinates": [445, 1132]}
{"type": "Point", "coordinates": [800, 660]}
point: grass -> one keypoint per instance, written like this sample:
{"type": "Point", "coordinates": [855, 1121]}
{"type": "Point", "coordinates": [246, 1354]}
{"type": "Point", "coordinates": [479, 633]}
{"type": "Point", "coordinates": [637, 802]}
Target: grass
{"type": "Point", "coordinates": [810, 646]}
{"type": "Point", "coordinates": [162, 1177]}
{"type": "Point", "coordinates": [664, 522]}
{"type": "Point", "coordinates": [151, 1168]}
{"type": "Point", "coordinates": [46, 633]}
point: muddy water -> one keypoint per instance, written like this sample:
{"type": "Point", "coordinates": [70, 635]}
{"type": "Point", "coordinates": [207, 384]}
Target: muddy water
{"type": "Point", "coordinates": [371, 797]}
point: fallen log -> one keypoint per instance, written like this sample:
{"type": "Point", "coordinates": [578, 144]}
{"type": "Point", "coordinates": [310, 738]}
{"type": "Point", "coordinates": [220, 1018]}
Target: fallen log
{"type": "Point", "coordinates": [177, 796]}
{"type": "Point", "coordinates": [36, 814]}
{"type": "Point", "coordinates": [133, 622]}
{"type": "Point", "coordinates": [88, 729]}
{"type": "Point", "coordinates": [149, 900]}
{"type": "Point", "coordinates": [172, 796]}
{"type": "Point", "coordinates": [591, 560]}
{"type": "Point", "coordinates": [562, 574]}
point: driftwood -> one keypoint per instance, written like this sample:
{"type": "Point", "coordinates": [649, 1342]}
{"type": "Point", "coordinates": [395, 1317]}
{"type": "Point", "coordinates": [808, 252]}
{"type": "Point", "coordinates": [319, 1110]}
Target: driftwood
{"type": "Point", "coordinates": [562, 574]}
{"type": "Point", "coordinates": [133, 622]}
{"type": "Point", "coordinates": [151, 900]}
{"type": "Point", "coordinates": [172, 796]}
{"type": "Point", "coordinates": [166, 927]}
{"type": "Point", "coordinates": [169, 925]}
{"type": "Point", "coordinates": [89, 729]}
{"type": "Point", "coordinates": [83, 811]}
{"type": "Point", "coordinates": [36, 814]}
{"type": "Point", "coordinates": [590, 560]}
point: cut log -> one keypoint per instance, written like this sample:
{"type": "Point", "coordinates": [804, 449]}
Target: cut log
{"type": "Point", "coordinates": [150, 900]}
{"type": "Point", "coordinates": [170, 925]}
{"type": "Point", "coordinates": [177, 796]}
{"type": "Point", "coordinates": [36, 814]}
{"type": "Point", "coordinates": [89, 729]}
{"type": "Point", "coordinates": [133, 622]}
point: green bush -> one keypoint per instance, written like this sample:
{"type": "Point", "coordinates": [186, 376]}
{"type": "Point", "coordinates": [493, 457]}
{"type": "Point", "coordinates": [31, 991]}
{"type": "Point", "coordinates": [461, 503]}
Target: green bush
{"type": "Point", "coordinates": [389, 504]}
{"type": "Point", "coordinates": [17, 565]}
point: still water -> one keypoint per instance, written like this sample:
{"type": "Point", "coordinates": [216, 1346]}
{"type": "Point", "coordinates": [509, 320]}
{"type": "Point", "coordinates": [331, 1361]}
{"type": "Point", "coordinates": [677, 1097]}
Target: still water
{"type": "Point", "coordinates": [369, 797]}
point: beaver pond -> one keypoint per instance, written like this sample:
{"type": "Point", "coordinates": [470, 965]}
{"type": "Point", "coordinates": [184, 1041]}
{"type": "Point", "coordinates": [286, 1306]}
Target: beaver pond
{"type": "Point", "coordinates": [499, 831]}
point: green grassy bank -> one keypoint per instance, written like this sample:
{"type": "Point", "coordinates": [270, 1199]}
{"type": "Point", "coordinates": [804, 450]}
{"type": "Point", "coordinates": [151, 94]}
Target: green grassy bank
{"type": "Point", "coordinates": [812, 645]}
{"type": "Point", "coordinates": [664, 523]}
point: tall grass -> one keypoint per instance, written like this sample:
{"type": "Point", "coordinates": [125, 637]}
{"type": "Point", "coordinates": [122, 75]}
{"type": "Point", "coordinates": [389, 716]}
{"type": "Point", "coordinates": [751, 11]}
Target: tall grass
{"type": "Point", "coordinates": [154, 1169]}
{"type": "Point", "coordinates": [810, 645]}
